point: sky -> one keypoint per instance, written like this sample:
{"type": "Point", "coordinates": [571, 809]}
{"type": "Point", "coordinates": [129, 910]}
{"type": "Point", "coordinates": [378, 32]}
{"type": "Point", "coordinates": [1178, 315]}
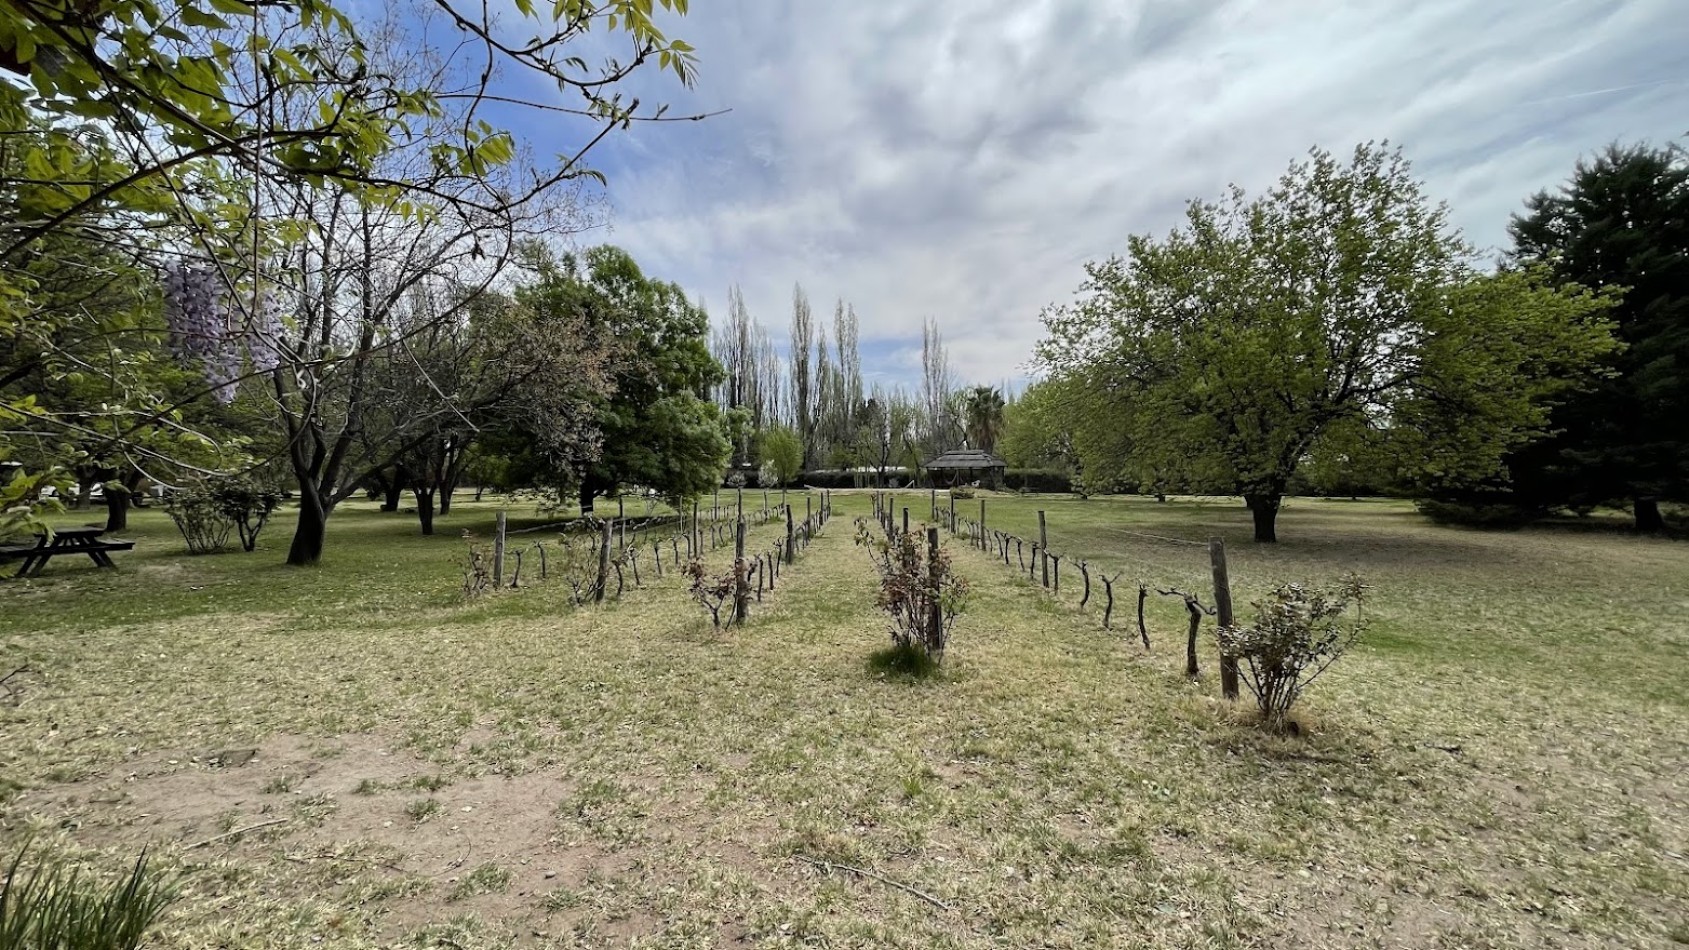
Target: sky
{"type": "Point", "coordinates": [961, 161]}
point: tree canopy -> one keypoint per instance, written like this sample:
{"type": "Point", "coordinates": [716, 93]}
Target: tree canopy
{"type": "Point", "coordinates": [1621, 222]}
{"type": "Point", "coordinates": [1218, 357]}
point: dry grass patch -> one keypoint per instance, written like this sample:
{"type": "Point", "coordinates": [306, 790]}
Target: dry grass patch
{"type": "Point", "coordinates": [1479, 774]}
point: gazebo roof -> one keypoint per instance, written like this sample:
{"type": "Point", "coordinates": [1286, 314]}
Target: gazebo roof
{"type": "Point", "coordinates": [966, 459]}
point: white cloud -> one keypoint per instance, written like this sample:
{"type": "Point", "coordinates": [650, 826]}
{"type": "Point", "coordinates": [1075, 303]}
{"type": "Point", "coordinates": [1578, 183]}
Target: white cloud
{"type": "Point", "coordinates": [962, 161]}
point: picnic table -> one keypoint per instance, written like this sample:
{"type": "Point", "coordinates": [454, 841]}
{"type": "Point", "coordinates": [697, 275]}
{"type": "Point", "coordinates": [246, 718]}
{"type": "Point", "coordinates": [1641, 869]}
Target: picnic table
{"type": "Point", "coordinates": [86, 540]}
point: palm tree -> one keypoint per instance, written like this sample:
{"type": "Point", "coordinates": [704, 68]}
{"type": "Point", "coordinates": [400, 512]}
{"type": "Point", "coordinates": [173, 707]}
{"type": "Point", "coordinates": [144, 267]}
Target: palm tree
{"type": "Point", "coordinates": [985, 417]}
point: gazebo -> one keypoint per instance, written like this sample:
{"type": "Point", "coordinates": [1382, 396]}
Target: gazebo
{"type": "Point", "coordinates": [960, 462]}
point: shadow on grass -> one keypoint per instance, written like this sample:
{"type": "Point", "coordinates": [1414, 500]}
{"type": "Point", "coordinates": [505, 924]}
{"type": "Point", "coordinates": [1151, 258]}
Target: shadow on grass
{"type": "Point", "coordinates": [904, 663]}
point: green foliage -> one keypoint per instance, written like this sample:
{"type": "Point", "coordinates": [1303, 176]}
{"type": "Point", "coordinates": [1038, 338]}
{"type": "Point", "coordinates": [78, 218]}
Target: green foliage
{"type": "Point", "coordinates": [1218, 358]}
{"type": "Point", "coordinates": [1621, 223]}
{"type": "Point", "coordinates": [200, 516]}
{"type": "Point", "coordinates": [1297, 634]}
{"type": "Point", "coordinates": [657, 430]}
{"type": "Point", "coordinates": [208, 512]}
{"type": "Point", "coordinates": [21, 503]}
{"type": "Point", "coordinates": [983, 411]}
{"type": "Point", "coordinates": [247, 506]}
{"type": "Point", "coordinates": [905, 662]}
{"type": "Point", "coordinates": [1037, 480]}
{"type": "Point", "coordinates": [1479, 514]}
{"type": "Point", "coordinates": [1039, 427]}
{"type": "Point", "coordinates": [780, 447]}
{"type": "Point", "coordinates": [53, 906]}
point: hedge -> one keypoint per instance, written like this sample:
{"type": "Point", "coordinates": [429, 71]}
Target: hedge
{"type": "Point", "coordinates": [1052, 481]}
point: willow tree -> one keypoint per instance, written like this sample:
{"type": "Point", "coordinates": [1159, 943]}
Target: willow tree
{"type": "Point", "coordinates": [1219, 356]}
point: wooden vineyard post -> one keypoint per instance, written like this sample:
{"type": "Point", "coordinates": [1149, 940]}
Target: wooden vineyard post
{"type": "Point", "coordinates": [1143, 631]}
{"type": "Point", "coordinates": [1223, 609]}
{"type": "Point", "coordinates": [982, 524]}
{"type": "Point", "coordinates": [932, 500]}
{"type": "Point", "coordinates": [498, 553]}
{"type": "Point", "coordinates": [603, 560]}
{"type": "Point", "coordinates": [905, 520]}
{"type": "Point", "coordinates": [695, 540]}
{"type": "Point", "coordinates": [791, 536]}
{"type": "Point", "coordinates": [808, 519]}
{"type": "Point", "coordinates": [935, 638]}
{"type": "Point", "coordinates": [1043, 550]}
{"type": "Point", "coordinates": [741, 502]}
{"type": "Point", "coordinates": [741, 583]}
{"type": "Point", "coordinates": [1195, 611]}
{"type": "Point", "coordinates": [952, 512]}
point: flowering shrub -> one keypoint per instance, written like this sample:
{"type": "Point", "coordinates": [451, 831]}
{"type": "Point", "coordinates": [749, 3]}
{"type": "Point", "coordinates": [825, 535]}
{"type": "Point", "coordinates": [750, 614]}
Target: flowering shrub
{"type": "Point", "coordinates": [1297, 634]}
{"type": "Point", "coordinates": [913, 582]}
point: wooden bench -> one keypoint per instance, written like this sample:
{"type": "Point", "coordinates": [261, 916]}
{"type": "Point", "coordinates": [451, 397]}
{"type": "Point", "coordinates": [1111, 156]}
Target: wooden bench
{"type": "Point", "coordinates": [64, 541]}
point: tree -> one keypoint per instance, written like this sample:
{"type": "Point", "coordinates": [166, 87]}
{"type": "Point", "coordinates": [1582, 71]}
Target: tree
{"type": "Point", "coordinates": [1622, 221]}
{"type": "Point", "coordinates": [937, 387]}
{"type": "Point", "coordinates": [231, 151]}
{"type": "Point", "coordinates": [1038, 428]}
{"type": "Point", "coordinates": [802, 379]}
{"type": "Point", "coordinates": [983, 410]}
{"type": "Point", "coordinates": [657, 429]}
{"type": "Point", "coordinates": [780, 448]}
{"type": "Point", "coordinates": [1226, 352]}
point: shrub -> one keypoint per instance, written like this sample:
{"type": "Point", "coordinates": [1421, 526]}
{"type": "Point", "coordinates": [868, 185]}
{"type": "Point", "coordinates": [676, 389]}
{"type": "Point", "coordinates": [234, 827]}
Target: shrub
{"type": "Point", "coordinates": [200, 516]}
{"type": "Point", "coordinates": [711, 592]}
{"type": "Point", "coordinates": [247, 506]}
{"type": "Point", "coordinates": [1052, 481]}
{"type": "Point", "coordinates": [53, 907]}
{"type": "Point", "coordinates": [913, 580]}
{"type": "Point", "coordinates": [1297, 634]}
{"type": "Point", "coordinates": [1477, 514]}
{"type": "Point", "coordinates": [828, 478]}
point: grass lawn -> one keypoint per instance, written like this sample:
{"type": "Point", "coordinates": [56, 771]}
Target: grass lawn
{"type": "Point", "coordinates": [1501, 764]}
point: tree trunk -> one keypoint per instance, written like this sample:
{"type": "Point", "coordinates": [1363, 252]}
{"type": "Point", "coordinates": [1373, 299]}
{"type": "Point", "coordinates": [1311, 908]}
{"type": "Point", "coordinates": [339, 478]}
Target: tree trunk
{"type": "Point", "coordinates": [425, 509]}
{"type": "Point", "coordinates": [117, 507]}
{"type": "Point", "coordinates": [1648, 519]}
{"type": "Point", "coordinates": [480, 488]}
{"type": "Point", "coordinates": [445, 499]}
{"type": "Point", "coordinates": [85, 490]}
{"type": "Point", "coordinates": [312, 529]}
{"type": "Point", "coordinates": [1265, 510]}
{"type": "Point", "coordinates": [586, 494]}
{"type": "Point", "coordinates": [395, 489]}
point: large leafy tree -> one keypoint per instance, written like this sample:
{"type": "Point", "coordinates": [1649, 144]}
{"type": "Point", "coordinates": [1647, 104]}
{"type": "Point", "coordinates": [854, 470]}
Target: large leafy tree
{"type": "Point", "coordinates": [657, 429]}
{"type": "Point", "coordinates": [1622, 221]}
{"type": "Point", "coordinates": [263, 149]}
{"type": "Point", "coordinates": [1224, 353]}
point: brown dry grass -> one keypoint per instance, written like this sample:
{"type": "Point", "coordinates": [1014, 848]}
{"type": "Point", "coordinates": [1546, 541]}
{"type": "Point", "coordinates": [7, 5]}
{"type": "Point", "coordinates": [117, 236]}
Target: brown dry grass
{"type": "Point", "coordinates": [1502, 767]}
